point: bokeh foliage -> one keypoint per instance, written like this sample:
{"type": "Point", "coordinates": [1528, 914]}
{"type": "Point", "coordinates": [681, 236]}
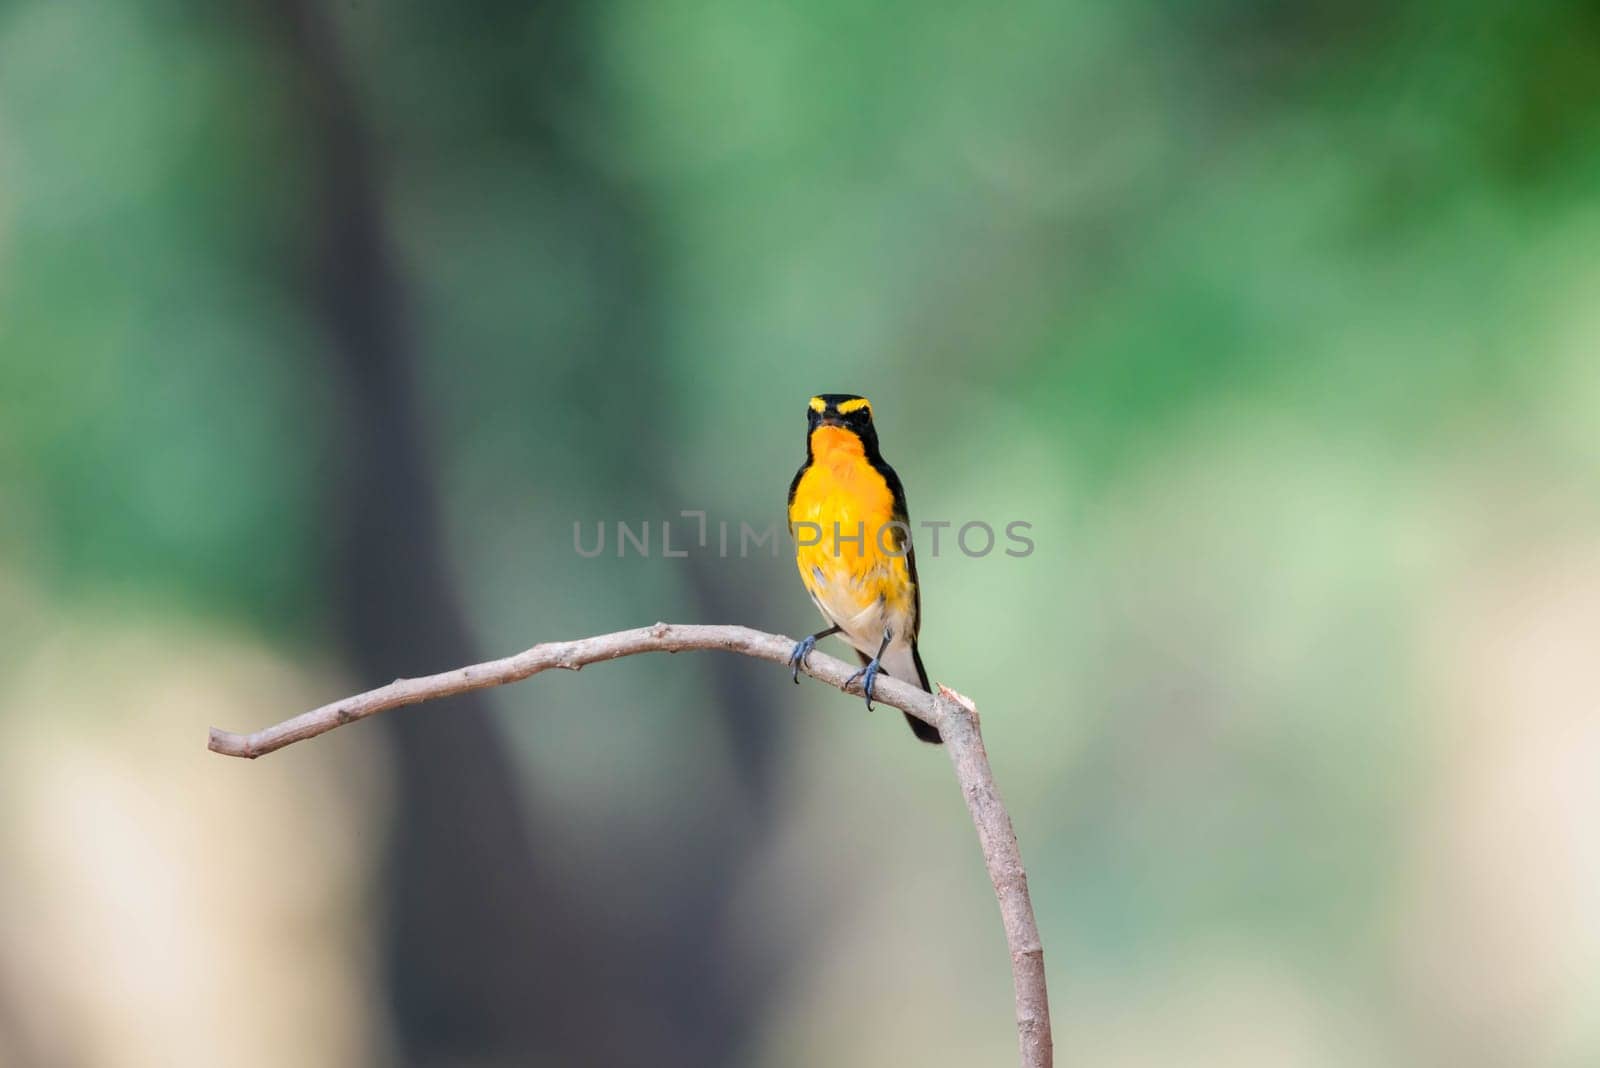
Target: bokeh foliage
{"type": "Point", "coordinates": [1276, 322]}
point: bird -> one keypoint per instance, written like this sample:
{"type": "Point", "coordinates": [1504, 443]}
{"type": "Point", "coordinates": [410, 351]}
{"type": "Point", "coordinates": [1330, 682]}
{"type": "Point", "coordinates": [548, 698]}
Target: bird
{"type": "Point", "coordinates": [847, 515]}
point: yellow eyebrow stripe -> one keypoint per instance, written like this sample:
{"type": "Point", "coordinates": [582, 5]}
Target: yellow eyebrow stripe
{"type": "Point", "coordinates": [854, 406]}
{"type": "Point", "coordinates": [818, 404]}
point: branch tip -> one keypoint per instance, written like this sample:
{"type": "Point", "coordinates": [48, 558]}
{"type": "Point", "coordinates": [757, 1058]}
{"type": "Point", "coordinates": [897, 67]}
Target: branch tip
{"type": "Point", "coordinates": [229, 744]}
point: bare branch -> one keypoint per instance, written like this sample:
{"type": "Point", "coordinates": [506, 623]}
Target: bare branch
{"type": "Point", "coordinates": [954, 715]}
{"type": "Point", "coordinates": [958, 722]}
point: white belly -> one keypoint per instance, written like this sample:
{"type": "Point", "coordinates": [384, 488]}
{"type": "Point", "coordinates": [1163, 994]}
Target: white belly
{"type": "Point", "coordinates": [863, 629]}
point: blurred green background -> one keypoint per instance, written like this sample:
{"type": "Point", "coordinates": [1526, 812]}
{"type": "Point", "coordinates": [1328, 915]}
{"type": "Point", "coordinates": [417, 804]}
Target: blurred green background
{"type": "Point", "coordinates": [321, 324]}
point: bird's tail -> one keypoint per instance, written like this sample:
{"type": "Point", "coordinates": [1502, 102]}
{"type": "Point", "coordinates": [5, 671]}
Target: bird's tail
{"type": "Point", "coordinates": [898, 663]}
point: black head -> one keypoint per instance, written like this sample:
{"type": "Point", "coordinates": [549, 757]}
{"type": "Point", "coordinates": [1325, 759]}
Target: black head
{"type": "Point", "coordinates": [840, 409]}
{"type": "Point", "coordinates": [845, 410]}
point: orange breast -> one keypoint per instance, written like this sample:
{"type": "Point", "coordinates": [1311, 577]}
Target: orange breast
{"type": "Point", "coordinates": [841, 487]}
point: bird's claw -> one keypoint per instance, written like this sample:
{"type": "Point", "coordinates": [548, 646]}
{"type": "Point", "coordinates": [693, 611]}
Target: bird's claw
{"type": "Point", "coordinates": [869, 676]}
{"type": "Point", "coordinates": [798, 656]}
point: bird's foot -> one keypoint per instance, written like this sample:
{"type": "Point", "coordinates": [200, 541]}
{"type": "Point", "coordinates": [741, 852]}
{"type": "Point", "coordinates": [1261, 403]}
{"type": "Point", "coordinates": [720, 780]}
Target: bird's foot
{"type": "Point", "coordinates": [802, 648]}
{"type": "Point", "coordinates": [868, 676]}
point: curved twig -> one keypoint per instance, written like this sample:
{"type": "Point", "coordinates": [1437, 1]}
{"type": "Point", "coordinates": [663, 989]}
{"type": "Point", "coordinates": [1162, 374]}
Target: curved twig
{"type": "Point", "coordinates": [954, 715]}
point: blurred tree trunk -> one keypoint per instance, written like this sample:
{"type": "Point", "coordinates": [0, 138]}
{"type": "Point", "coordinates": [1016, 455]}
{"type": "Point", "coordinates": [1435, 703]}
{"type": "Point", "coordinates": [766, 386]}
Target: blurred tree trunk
{"type": "Point", "coordinates": [491, 957]}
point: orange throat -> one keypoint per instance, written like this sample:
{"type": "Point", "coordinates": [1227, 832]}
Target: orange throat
{"type": "Point", "coordinates": [836, 446]}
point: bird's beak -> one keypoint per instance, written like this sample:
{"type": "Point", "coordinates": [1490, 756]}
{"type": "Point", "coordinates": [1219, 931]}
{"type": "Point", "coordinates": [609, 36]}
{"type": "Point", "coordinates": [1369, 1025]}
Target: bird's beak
{"type": "Point", "coordinates": [831, 420]}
